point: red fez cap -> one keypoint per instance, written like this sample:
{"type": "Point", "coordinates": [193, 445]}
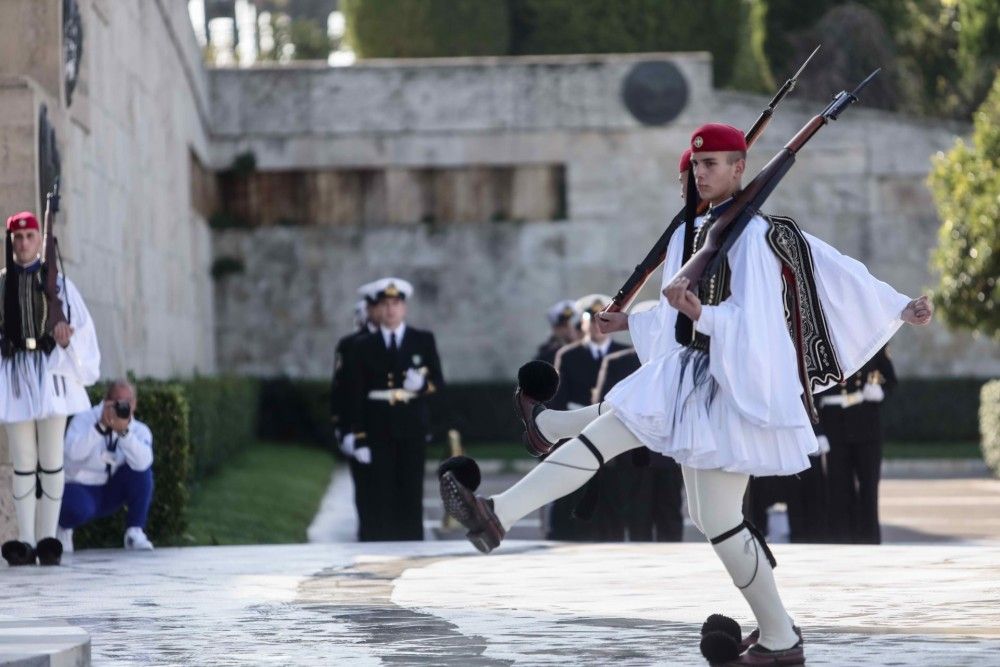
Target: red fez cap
{"type": "Point", "coordinates": [685, 163]}
{"type": "Point", "coordinates": [22, 220]}
{"type": "Point", "coordinates": [718, 137]}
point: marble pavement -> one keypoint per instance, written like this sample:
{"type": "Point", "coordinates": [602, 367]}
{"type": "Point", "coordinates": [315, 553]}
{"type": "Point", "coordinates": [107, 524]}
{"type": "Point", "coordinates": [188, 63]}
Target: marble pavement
{"type": "Point", "coordinates": [532, 603]}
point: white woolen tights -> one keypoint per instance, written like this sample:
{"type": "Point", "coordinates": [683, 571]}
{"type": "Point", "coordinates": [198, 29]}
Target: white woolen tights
{"type": "Point", "coordinates": [715, 501]}
{"type": "Point", "coordinates": [37, 446]}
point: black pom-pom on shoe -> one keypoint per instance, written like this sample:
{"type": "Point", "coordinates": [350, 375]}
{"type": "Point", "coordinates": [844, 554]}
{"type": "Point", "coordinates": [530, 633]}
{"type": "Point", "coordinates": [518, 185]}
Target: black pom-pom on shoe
{"type": "Point", "coordinates": [465, 469]}
{"type": "Point", "coordinates": [49, 551]}
{"type": "Point", "coordinates": [722, 623]}
{"type": "Point", "coordinates": [17, 553]}
{"type": "Point", "coordinates": [539, 380]}
{"type": "Point", "coordinates": [719, 647]}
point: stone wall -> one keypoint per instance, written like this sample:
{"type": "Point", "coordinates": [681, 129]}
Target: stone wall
{"type": "Point", "coordinates": [132, 241]}
{"type": "Point", "coordinates": [483, 287]}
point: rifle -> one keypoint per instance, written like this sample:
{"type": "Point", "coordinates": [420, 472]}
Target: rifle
{"type": "Point", "coordinates": [51, 255]}
{"type": "Point", "coordinates": [655, 257]}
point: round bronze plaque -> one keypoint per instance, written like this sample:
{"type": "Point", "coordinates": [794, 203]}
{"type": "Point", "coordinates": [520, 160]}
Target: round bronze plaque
{"type": "Point", "coordinates": [655, 92]}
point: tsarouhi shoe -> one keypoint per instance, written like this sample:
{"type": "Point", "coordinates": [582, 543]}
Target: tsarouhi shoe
{"type": "Point", "coordinates": [50, 551]}
{"type": "Point", "coordinates": [18, 553]}
{"type": "Point", "coordinates": [537, 382]}
{"type": "Point", "coordinates": [136, 540]}
{"type": "Point", "coordinates": [474, 512]}
{"type": "Point", "coordinates": [758, 655]}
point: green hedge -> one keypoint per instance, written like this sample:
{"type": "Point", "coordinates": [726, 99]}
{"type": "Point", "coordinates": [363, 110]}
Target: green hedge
{"type": "Point", "coordinates": [223, 420]}
{"type": "Point", "coordinates": [197, 425]}
{"type": "Point", "coordinates": [920, 410]}
{"type": "Point", "coordinates": [989, 424]}
{"type": "Point", "coordinates": [427, 28]}
{"type": "Point", "coordinates": [164, 408]}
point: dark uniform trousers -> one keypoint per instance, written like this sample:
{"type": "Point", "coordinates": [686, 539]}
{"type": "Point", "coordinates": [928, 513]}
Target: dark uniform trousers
{"type": "Point", "coordinates": [578, 371]}
{"type": "Point", "coordinates": [854, 462]}
{"type": "Point", "coordinates": [396, 431]}
{"type": "Point", "coordinates": [338, 411]}
{"type": "Point", "coordinates": [648, 494]}
{"type": "Point", "coordinates": [805, 496]}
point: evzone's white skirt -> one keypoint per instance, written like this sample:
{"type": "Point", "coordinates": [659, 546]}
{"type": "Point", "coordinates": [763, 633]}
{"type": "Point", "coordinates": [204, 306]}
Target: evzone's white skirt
{"type": "Point", "coordinates": [674, 407]}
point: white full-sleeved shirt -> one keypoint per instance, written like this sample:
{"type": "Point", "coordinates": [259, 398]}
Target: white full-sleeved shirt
{"type": "Point", "coordinates": [88, 455]}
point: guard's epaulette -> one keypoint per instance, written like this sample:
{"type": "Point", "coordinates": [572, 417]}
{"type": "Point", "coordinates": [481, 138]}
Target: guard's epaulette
{"type": "Point", "coordinates": [562, 350]}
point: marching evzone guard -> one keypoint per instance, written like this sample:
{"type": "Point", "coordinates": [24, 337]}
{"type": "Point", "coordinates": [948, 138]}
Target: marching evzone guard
{"type": "Point", "coordinates": [388, 379]}
{"type": "Point", "coordinates": [727, 404]}
{"type": "Point", "coordinates": [850, 419]}
{"type": "Point", "coordinates": [44, 370]}
{"type": "Point", "coordinates": [366, 321]}
{"type": "Point", "coordinates": [592, 513]}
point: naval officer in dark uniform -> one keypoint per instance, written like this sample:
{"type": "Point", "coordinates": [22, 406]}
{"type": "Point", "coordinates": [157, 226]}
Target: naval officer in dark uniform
{"type": "Point", "coordinates": [390, 376]}
{"type": "Point", "coordinates": [563, 318]}
{"type": "Point", "coordinates": [649, 496]}
{"type": "Point", "coordinates": [366, 322]}
{"type": "Point", "coordinates": [578, 364]}
{"type": "Point", "coordinates": [850, 418]}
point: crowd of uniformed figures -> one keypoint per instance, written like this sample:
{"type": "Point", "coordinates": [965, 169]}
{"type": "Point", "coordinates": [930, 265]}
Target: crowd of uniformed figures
{"type": "Point", "coordinates": [387, 373]}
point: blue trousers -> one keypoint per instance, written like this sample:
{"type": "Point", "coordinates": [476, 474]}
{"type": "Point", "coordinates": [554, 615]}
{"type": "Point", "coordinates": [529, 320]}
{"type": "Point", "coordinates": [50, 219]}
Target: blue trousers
{"type": "Point", "coordinates": [84, 502]}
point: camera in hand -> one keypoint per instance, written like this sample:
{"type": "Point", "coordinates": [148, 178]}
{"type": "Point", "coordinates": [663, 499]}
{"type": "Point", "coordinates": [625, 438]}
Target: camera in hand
{"type": "Point", "coordinates": [123, 409]}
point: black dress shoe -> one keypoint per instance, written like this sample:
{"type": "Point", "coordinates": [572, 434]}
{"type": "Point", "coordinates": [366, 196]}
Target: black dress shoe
{"type": "Point", "coordinates": [18, 553]}
{"type": "Point", "coordinates": [49, 551]}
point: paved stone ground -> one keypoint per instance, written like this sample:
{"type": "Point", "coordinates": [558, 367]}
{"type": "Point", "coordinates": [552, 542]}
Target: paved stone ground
{"type": "Point", "coordinates": [532, 603]}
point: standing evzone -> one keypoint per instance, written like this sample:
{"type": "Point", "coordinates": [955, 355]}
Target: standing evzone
{"type": "Point", "coordinates": [44, 372]}
{"type": "Point", "coordinates": [725, 404]}
{"type": "Point", "coordinates": [389, 378]}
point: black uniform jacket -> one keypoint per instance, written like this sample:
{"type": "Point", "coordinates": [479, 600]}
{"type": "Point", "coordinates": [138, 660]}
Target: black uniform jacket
{"type": "Point", "coordinates": [578, 372]}
{"type": "Point", "coordinates": [337, 394]}
{"type": "Point", "coordinates": [370, 367]}
{"type": "Point", "coordinates": [861, 422]}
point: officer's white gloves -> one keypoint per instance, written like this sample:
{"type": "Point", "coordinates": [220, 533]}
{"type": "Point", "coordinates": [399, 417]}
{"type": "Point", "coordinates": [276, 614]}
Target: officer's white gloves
{"type": "Point", "coordinates": [873, 392]}
{"type": "Point", "coordinates": [347, 445]}
{"type": "Point", "coordinates": [824, 445]}
{"type": "Point", "coordinates": [363, 455]}
{"type": "Point", "coordinates": [414, 380]}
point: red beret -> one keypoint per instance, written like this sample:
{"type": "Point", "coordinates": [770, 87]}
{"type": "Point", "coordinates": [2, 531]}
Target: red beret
{"type": "Point", "coordinates": [22, 220]}
{"type": "Point", "coordinates": [685, 163]}
{"type": "Point", "coordinates": [718, 137]}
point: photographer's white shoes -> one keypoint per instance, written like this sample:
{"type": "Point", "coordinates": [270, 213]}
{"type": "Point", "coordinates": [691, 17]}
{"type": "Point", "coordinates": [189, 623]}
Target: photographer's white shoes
{"type": "Point", "coordinates": [136, 540]}
{"type": "Point", "coordinates": [65, 535]}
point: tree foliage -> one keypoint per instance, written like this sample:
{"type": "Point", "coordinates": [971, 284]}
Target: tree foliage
{"type": "Point", "coordinates": [966, 187]}
{"type": "Point", "coordinates": [427, 28]}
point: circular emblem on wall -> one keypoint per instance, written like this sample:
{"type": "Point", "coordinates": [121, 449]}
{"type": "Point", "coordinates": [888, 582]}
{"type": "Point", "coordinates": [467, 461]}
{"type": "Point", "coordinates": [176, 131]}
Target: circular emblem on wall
{"type": "Point", "coordinates": [655, 92]}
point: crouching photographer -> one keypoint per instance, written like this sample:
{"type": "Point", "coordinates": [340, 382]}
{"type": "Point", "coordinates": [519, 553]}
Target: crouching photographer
{"type": "Point", "coordinates": [109, 464]}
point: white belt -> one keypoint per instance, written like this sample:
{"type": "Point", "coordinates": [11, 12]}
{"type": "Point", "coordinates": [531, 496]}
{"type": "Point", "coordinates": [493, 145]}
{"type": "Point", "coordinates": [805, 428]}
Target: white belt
{"type": "Point", "coordinates": [843, 400]}
{"type": "Point", "coordinates": [391, 395]}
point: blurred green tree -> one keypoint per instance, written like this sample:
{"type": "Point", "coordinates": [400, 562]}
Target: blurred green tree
{"type": "Point", "coordinates": [966, 187]}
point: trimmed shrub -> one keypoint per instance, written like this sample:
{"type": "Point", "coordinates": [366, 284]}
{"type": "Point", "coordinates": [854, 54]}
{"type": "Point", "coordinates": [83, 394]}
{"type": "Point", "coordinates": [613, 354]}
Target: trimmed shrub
{"type": "Point", "coordinates": [427, 28]}
{"type": "Point", "coordinates": [223, 420]}
{"type": "Point", "coordinates": [989, 424]}
{"type": "Point", "coordinates": [163, 407]}
{"type": "Point", "coordinates": [933, 409]}
{"type": "Point", "coordinates": [632, 26]}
